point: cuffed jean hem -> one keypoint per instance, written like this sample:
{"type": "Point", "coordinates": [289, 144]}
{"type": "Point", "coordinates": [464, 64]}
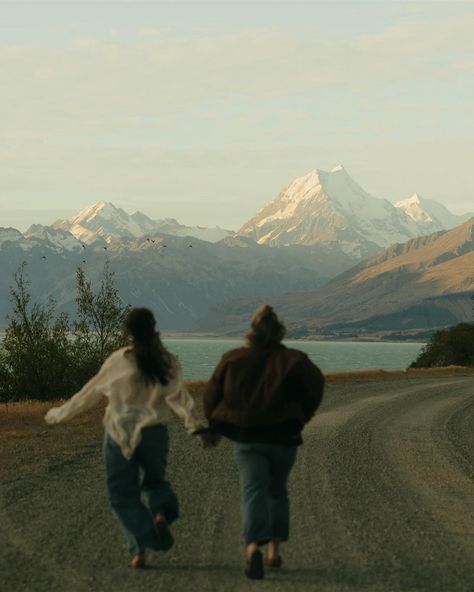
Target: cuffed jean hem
{"type": "Point", "coordinates": [263, 471]}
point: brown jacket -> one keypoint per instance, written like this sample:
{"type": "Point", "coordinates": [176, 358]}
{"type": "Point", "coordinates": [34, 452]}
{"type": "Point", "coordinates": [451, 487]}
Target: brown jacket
{"type": "Point", "coordinates": [251, 387]}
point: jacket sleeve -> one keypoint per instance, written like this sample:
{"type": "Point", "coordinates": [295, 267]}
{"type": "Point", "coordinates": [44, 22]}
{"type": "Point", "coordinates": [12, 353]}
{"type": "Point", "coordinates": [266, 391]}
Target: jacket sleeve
{"type": "Point", "coordinates": [311, 387]}
{"type": "Point", "coordinates": [89, 395]}
{"type": "Point", "coordinates": [182, 404]}
{"type": "Point", "coordinates": [214, 390]}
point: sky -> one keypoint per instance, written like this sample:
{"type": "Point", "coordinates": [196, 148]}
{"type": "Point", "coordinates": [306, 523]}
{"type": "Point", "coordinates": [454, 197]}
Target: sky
{"type": "Point", "coordinates": [204, 111]}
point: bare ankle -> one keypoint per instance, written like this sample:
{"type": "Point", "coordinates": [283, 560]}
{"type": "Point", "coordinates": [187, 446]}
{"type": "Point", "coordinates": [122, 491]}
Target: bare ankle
{"type": "Point", "coordinates": [273, 549]}
{"type": "Point", "coordinates": [251, 548]}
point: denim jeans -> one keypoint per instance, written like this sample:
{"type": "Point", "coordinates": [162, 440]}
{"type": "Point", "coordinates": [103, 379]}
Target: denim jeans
{"type": "Point", "coordinates": [142, 476]}
{"type": "Point", "coordinates": [264, 470]}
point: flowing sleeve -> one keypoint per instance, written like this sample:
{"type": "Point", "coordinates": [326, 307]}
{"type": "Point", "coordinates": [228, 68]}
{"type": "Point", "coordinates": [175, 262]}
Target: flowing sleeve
{"type": "Point", "coordinates": [182, 404]}
{"type": "Point", "coordinates": [89, 395]}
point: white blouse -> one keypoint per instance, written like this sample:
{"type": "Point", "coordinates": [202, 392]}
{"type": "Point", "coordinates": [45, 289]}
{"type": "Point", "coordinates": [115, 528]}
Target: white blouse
{"type": "Point", "coordinates": [132, 403]}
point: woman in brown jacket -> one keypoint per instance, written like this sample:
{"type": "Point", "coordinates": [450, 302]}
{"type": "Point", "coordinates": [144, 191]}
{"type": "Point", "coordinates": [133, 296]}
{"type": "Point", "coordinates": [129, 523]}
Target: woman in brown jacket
{"type": "Point", "coordinates": [261, 396]}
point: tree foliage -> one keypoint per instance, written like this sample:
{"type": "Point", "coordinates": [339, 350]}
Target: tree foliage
{"type": "Point", "coordinates": [98, 330]}
{"type": "Point", "coordinates": [46, 356]}
{"type": "Point", "coordinates": [34, 359]}
{"type": "Point", "coordinates": [448, 347]}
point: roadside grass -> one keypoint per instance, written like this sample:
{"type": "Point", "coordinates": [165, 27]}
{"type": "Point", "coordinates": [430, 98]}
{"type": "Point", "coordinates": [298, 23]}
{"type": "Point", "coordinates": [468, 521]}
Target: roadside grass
{"type": "Point", "coordinates": [28, 443]}
{"type": "Point", "coordinates": [381, 375]}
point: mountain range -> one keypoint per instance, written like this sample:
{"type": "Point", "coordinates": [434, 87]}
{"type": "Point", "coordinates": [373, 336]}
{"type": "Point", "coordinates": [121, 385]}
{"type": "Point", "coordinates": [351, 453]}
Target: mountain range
{"type": "Point", "coordinates": [407, 290]}
{"type": "Point", "coordinates": [320, 226]}
{"type": "Point", "coordinates": [328, 207]}
{"type": "Point", "coordinates": [104, 221]}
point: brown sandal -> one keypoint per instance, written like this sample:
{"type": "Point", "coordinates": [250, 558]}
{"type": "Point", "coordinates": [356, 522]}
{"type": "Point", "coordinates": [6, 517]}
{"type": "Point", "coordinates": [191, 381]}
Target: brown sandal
{"type": "Point", "coordinates": [137, 561]}
{"type": "Point", "coordinates": [274, 562]}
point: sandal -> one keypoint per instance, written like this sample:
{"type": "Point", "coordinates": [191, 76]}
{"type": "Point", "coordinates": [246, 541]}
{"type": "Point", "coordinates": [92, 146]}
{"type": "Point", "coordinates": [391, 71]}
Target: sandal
{"type": "Point", "coordinates": [254, 567]}
{"type": "Point", "coordinates": [137, 561]}
{"type": "Point", "coordinates": [274, 562]}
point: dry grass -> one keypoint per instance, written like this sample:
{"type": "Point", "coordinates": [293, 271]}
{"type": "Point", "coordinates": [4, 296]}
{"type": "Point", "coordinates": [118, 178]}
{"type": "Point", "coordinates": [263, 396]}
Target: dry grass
{"type": "Point", "coordinates": [382, 375]}
{"type": "Point", "coordinates": [27, 442]}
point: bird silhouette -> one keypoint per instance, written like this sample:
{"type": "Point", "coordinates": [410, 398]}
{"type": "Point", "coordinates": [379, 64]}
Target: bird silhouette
{"type": "Point", "coordinates": [152, 240]}
{"type": "Point", "coordinates": [190, 246]}
{"type": "Point", "coordinates": [105, 248]}
{"type": "Point", "coordinates": [83, 246]}
{"type": "Point", "coordinates": [83, 260]}
{"type": "Point", "coordinates": [43, 257]}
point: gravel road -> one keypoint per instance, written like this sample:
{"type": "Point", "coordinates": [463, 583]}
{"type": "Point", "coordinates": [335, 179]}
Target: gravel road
{"type": "Point", "coordinates": [382, 500]}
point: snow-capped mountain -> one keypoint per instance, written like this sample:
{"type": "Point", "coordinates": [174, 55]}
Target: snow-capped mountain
{"type": "Point", "coordinates": [409, 289]}
{"type": "Point", "coordinates": [429, 214]}
{"type": "Point", "coordinates": [105, 221]}
{"type": "Point", "coordinates": [323, 207]}
{"type": "Point", "coordinates": [58, 239]}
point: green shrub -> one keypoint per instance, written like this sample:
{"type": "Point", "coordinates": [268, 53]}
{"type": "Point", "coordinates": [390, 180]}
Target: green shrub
{"type": "Point", "coordinates": [35, 356]}
{"type": "Point", "coordinates": [43, 355]}
{"type": "Point", "coordinates": [448, 347]}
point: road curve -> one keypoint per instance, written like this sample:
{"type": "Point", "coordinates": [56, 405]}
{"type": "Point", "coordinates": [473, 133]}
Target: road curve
{"type": "Point", "coordinates": [382, 500]}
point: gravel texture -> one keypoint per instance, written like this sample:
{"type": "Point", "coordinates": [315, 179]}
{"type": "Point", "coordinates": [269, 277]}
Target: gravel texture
{"type": "Point", "coordinates": [382, 500]}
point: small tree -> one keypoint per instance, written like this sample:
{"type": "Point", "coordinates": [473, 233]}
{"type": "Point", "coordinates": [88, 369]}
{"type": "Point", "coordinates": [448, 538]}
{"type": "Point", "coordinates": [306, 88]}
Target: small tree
{"type": "Point", "coordinates": [98, 330]}
{"type": "Point", "coordinates": [34, 359]}
{"type": "Point", "coordinates": [453, 346]}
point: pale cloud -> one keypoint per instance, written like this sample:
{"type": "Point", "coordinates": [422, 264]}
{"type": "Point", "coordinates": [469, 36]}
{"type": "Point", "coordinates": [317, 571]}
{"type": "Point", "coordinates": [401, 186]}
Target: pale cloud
{"type": "Point", "coordinates": [129, 120]}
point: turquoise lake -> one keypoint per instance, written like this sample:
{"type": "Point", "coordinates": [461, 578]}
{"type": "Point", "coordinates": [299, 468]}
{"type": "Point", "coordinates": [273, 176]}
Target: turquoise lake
{"type": "Point", "coordinates": [199, 356]}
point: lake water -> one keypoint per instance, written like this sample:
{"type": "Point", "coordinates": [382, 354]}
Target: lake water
{"type": "Point", "coordinates": [199, 356]}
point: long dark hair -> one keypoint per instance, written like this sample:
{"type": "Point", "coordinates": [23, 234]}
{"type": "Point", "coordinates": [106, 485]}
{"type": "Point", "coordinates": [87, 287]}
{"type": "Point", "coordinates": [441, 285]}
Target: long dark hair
{"type": "Point", "coordinates": [153, 360]}
{"type": "Point", "coordinates": [266, 328]}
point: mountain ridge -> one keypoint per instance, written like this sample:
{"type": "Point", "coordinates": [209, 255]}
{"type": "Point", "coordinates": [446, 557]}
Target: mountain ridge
{"type": "Point", "coordinates": [425, 277]}
{"type": "Point", "coordinates": [328, 206]}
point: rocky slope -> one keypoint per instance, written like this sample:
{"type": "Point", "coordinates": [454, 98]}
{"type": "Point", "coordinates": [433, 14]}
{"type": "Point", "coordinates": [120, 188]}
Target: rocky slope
{"type": "Point", "coordinates": [181, 278]}
{"type": "Point", "coordinates": [408, 289]}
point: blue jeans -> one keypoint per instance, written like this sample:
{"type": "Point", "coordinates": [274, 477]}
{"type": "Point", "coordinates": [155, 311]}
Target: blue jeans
{"type": "Point", "coordinates": [144, 473]}
{"type": "Point", "coordinates": [264, 470]}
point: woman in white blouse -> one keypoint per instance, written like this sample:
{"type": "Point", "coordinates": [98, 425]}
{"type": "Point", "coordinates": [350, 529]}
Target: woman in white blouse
{"type": "Point", "coordinates": [143, 386]}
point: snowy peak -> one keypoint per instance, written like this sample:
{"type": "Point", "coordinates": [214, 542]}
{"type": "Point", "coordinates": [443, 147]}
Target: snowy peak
{"type": "Point", "coordinates": [104, 221]}
{"type": "Point", "coordinates": [56, 238]}
{"type": "Point", "coordinates": [429, 214]}
{"type": "Point", "coordinates": [415, 208]}
{"type": "Point", "coordinates": [329, 206]}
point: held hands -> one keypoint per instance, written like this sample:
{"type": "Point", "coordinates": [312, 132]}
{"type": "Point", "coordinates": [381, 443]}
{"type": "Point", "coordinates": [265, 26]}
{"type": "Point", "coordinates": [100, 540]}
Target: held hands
{"type": "Point", "coordinates": [207, 438]}
{"type": "Point", "coordinates": [210, 440]}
